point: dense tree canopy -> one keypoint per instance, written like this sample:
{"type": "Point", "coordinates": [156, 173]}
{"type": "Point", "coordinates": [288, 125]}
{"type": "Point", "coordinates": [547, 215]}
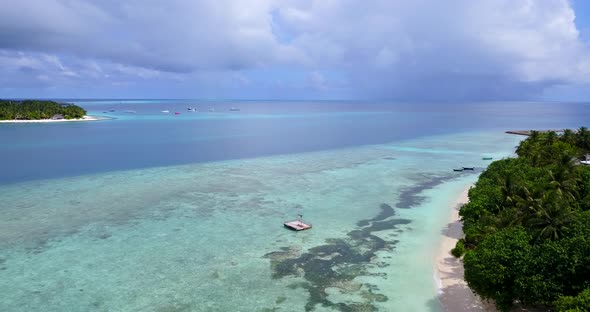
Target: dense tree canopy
{"type": "Point", "coordinates": [34, 109]}
{"type": "Point", "coordinates": [527, 225]}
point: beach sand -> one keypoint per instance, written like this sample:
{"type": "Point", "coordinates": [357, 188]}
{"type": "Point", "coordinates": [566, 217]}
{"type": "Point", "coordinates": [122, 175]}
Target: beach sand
{"type": "Point", "coordinates": [454, 294]}
{"type": "Point", "coordinates": [85, 118]}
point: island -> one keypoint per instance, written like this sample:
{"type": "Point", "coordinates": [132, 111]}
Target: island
{"type": "Point", "coordinates": [41, 111]}
{"type": "Point", "coordinates": [527, 226]}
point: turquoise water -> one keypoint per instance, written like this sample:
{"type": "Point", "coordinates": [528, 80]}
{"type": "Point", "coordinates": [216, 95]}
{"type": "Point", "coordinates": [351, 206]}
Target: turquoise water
{"type": "Point", "coordinates": [207, 235]}
{"type": "Point", "coordinates": [197, 237]}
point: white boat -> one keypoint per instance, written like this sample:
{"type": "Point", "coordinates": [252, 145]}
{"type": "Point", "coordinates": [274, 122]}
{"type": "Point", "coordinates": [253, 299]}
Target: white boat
{"type": "Point", "coordinates": [165, 111]}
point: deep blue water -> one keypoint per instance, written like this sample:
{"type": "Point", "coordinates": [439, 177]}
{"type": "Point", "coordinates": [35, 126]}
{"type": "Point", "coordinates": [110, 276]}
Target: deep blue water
{"type": "Point", "coordinates": [147, 137]}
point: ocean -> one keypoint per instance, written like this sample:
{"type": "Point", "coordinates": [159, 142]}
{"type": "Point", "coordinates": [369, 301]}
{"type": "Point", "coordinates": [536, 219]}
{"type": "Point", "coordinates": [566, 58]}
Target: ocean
{"type": "Point", "coordinates": [155, 211]}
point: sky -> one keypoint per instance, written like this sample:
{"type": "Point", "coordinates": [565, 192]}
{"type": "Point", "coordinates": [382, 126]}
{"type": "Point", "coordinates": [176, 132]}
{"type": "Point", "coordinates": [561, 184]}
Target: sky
{"type": "Point", "coordinates": [419, 50]}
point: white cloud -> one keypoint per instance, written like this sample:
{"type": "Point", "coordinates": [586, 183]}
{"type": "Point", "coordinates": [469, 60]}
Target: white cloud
{"type": "Point", "coordinates": [395, 49]}
{"type": "Point", "coordinates": [517, 44]}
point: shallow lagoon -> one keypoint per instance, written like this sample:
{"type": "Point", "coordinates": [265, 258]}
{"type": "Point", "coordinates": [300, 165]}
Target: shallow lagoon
{"type": "Point", "coordinates": [209, 237]}
{"type": "Point", "coordinates": [150, 212]}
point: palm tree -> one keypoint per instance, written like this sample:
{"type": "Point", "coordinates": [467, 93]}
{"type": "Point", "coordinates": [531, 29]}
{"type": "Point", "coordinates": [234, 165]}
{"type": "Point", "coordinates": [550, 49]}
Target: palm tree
{"type": "Point", "coordinates": [509, 188]}
{"type": "Point", "coordinates": [550, 137]}
{"type": "Point", "coordinates": [551, 218]}
{"type": "Point", "coordinates": [583, 138]}
{"type": "Point", "coordinates": [569, 137]}
{"type": "Point", "coordinates": [564, 178]}
{"type": "Point", "coordinates": [524, 149]}
{"type": "Point", "coordinates": [527, 204]}
{"type": "Point", "coordinates": [534, 135]}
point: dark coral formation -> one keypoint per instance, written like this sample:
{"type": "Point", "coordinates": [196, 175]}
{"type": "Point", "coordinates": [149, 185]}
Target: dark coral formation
{"type": "Point", "coordinates": [410, 197]}
{"type": "Point", "coordinates": [337, 263]}
{"type": "Point", "coordinates": [386, 212]}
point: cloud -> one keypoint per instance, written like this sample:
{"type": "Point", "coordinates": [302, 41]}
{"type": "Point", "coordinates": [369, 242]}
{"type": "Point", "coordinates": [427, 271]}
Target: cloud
{"type": "Point", "coordinates": [443, 49]}
{"type": "Point", "coordinates": [421, 50]}
{"type": "Point", "coordinates": [175, 36]}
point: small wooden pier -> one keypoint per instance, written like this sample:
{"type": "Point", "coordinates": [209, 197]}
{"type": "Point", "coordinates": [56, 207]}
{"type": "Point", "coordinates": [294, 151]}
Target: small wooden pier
{"type": "Point", "coordinates": [297, 225]}
{"type": "Point", "coordinates": [528, 132]}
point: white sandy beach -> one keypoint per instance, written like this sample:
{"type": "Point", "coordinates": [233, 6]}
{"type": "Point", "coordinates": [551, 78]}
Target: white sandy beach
{"type": "Point", "coordinates": [85, 118]}
{"type": "Point", "coordinates": [454, 294]}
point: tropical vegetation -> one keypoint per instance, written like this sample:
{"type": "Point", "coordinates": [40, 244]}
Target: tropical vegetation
{"type": "Point", "coordinates": [36, 109]}
{"type": "Point", "coordinates": [527, 225]}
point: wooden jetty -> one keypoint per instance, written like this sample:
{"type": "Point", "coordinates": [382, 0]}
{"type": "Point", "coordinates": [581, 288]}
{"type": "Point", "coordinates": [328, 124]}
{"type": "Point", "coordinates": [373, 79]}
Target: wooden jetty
{"type": "Point", "coordinates": [519, 132]}
{"type": "Point", "coordinates": [528, 132]}
{"type": "Point", "coordinates": [297, 225]}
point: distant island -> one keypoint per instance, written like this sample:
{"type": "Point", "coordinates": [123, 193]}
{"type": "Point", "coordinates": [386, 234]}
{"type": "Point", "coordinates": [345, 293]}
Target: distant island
{"type": "Point", "coordinates": [37, 110]}
{"type": "Point", "coordinates": [527, 225]}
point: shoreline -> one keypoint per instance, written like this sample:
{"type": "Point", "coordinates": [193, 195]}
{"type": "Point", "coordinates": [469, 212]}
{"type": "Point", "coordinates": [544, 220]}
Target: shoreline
{"type": "Point", "coordinates": [85, 118]}
{"type": "Point", "coordinates": [453, 292]}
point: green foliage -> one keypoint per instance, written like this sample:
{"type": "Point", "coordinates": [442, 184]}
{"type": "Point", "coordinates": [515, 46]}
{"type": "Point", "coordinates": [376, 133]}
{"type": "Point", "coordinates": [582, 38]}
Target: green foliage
{"type": "Point", "coordinates": [579, 303]}
{"type": "Point", "coordinates": [584, 188]}
{"type": "Point", "coordinates": [459, 249]}
{"type": "Point", "coordinates": [35, 109]}
{"type": "Point", "coordinates": [527, 225]}
{"type": "Point", "coordinates": [493, 266]}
